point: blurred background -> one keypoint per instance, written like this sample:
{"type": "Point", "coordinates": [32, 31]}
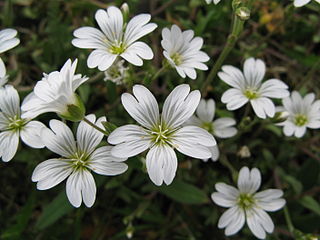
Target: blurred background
{"type": "Point", "coordinates": [130, 206]}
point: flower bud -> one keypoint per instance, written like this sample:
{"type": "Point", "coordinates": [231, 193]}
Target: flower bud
{"type": "Point", "coordinates": [243, 13]}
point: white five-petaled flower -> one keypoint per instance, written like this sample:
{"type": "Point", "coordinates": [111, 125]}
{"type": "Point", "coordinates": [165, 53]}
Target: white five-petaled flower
{"type": "Point", "coordinates": [214, 1]}
{"type": "Point", "coordinates": [55, 92]}
{"type": "Point", "coordinates": [182, 51]}
{"type": "Point", "coordinates": [13, 126]}
{"type": "Point", "coordinates": [8, 39]}
{"type": "Point", "coordinates": [247, 205]}
{"type": "Point", "coordinates": [3, 77]}
{"type": "Point", "coordinates": [116, 38]}
{"type": "Point", "coordinates": [302, 113]}
{"type": "Point", "coordinates": [78, 159]}
{"type": "Point", "coordinates": [248, 86]}
{"type": "Point", "coordinates": [161, 133]}
{"type": "Point", "coordinates": [300, 3]}
{"type": "Point", "coordinates": [221, 127]}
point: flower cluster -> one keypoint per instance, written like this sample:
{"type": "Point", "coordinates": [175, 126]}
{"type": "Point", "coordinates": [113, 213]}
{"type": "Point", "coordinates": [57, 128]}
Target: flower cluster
{"type": "Point", "coordinates": [185, 123]}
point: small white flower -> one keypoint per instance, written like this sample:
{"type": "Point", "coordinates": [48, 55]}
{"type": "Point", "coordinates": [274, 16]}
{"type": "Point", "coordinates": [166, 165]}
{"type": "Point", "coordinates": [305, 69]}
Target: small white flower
{"type": "Point", "coordinates": [182, 51]}
{"type": "Point", "coordinates": [248, 86]}
{"type": "Point", "coordinates": [221, 127]}
{"type": "Point", "coordinates": [302, 113]}
{"type": "Point", "coordinates": [300, 3]}
{"type": "Point", "coordinates": [116, 39]}
{"type": "Point", "coordinates": [246, 204]}
{"type": "Point", "coordinates": [161, 133]}
{"type": "Point", "coordinates": [13, 126]}
{"type": "Point", "coordinates": [213, 1]}
{"type": "Point", "coordinates": [78, 159]}
{"type": "Point", "coordinates": [8, 39]}
{"type": "Point", "coordinates": [3, 77]}
{"type": "Point", "coordinates": [116, 73]}
{"type": "Point", "coordinates": [55, 92]}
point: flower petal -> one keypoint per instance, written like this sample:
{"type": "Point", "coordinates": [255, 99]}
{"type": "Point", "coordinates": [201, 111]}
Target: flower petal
{"type": "Point", "coordinates": [143, 106]}
{"type": "Point", "coordinates": [161, 164]}
{"type": "Point", "coordinates": [249, 181]}
{"type": "Point", "coordinates": [102, 162]}
{"type": "Point", "coordinates": [88, 138]}
{"type": "Point", "coordinates": [31, 134]}
{"type": "Point", "coordinates": [60, 140]}
{"type": "Point", "coordinates": [9, 142]}
{"type": "Point", "coordinates": [206, 109]}
{"type": "Point", "coordinates": [254, 71]}
{"type": "Point", "coordinates": [180, 106]}
{"type": "Point", "coordinates": [51, 172]}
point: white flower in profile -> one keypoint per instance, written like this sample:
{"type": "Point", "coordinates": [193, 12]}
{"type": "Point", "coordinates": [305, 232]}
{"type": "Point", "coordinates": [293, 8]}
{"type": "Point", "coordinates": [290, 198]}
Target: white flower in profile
{"type": "Point", "coordinates": [3, 77]}
{"type": "Point", "coordinates": [302, 113]}
{"type": "Point", "coordinates": [8, 39]}
{"type": "Point", "coordinates": [13, 126]}
{"type": "Point", "coordinates": [116, 73]}
{"type": "Point", "coordinates": [78, 159]}
{"type": "Point", "coordinates": [213, 1]}
{"type": "Point", "coordinates": [248, 87]}
{"type": "Point", "coordinates": [161, 133]}
{"type": "Point", "coordinates": [221, 127]}
{"type": "Point", "coordinates": [182, 51]}
{"type": "Point", "coordinates": [55, 93]}
{"type": "Point", "coordinates": [247, 205]}
{"type": "Point", "coordinates": [300, 3]}
{"type": "Point", "coordinates": [116, 38]}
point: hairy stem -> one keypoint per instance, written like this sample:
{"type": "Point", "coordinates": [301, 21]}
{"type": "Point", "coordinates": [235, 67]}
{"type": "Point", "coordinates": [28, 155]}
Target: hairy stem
{"type": "Point", "coordinates": [95, 127]}
{"type": "Point", "coordinates": [288, 219]}
{"type": "Point", "coordinates": [237, 27]}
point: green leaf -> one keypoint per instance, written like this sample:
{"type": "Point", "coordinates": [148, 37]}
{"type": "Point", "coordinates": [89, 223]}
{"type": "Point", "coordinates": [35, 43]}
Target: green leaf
{"type": "Point", "coordinates": [59, 207]}
{"type": "Point", "coordinates": [311, 204]}
{"type": "Point", "coordinates": [184, 193]}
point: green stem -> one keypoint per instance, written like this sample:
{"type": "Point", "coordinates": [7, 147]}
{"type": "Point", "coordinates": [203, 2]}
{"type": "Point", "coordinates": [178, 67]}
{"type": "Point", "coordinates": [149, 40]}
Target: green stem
{"type": "Point", "coordinates": [157, 73]}
{"type": "Point", "coordinates": [95, 126]}
{"type": "Point", "coordinates": [288, 219]}
{"type": "Point", "coordinates": [224, 161]}
{"type": "Point", "coordinates": [237, 27]}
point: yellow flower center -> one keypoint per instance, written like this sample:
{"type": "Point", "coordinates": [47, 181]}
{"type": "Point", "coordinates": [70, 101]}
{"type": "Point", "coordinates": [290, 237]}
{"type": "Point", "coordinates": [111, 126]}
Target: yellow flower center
{"type": "Point", "coordinates": [245, 201]}
{"type": "Point", "coordinates": [251, 93]}
{"type": "Point", "coordinates": [176, 58]}
{"type": "Point", "coordinates": [161, 135]}
{"type": "Point", "coordinates": [300, 120]}
{"type": "Point", "coordinates": [16, 123]}
{"type": "Point", "coordinates": [117, 48]}
{"type": "Point", "coordinates": [80, 161]}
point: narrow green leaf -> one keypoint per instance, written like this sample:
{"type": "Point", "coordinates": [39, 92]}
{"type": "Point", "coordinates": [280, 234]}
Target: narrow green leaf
{"type": "Point", "coordinates": [184, 193]}
{"type": "Point", "coordinates": [59, 207]}
{"type": "Point", "coordinates": [311, 204]}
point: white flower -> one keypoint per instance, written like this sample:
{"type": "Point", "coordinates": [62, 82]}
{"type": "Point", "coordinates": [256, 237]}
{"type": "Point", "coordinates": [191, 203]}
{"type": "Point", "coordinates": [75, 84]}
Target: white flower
{"type": "Point", "coordinates": [116, 73]}
{"type": "Point", "coordinates": [248, 86]}
{"type": "Point", "coordinates": [3, 77]}
{"type": "Point", "coordinates": [116, 39]}
{"type": "Point", "coordinates": [161, 133]}
{"type": "Point", "coordinates": [300, 3]}
{"type": "Point", "coordinates": [246, 204]}
{"type": "Point", "coordinates": [302, 113]}
{"type": "Point", "coordinates": [214, 1]}
{"type": "Point", "coordinates": [55, 92]}
{"type": "Point", "coordinates": [13, 126]}
{"type": "Point", "coordinates": [221, 127]}
{"type": "Point", "coordinates": [8, 39]}
{"type": "Point", "coordinates": [183, 51]}
{"type": "Point", "coordinates": [78, 159]}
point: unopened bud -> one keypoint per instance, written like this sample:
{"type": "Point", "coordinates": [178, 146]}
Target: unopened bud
{"type": "Point", "coordinates": [125, 10]}
{"type": "Point", "coordinates": [244, 152]}
{"type": "Point", "coordinates": [243, 13]}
